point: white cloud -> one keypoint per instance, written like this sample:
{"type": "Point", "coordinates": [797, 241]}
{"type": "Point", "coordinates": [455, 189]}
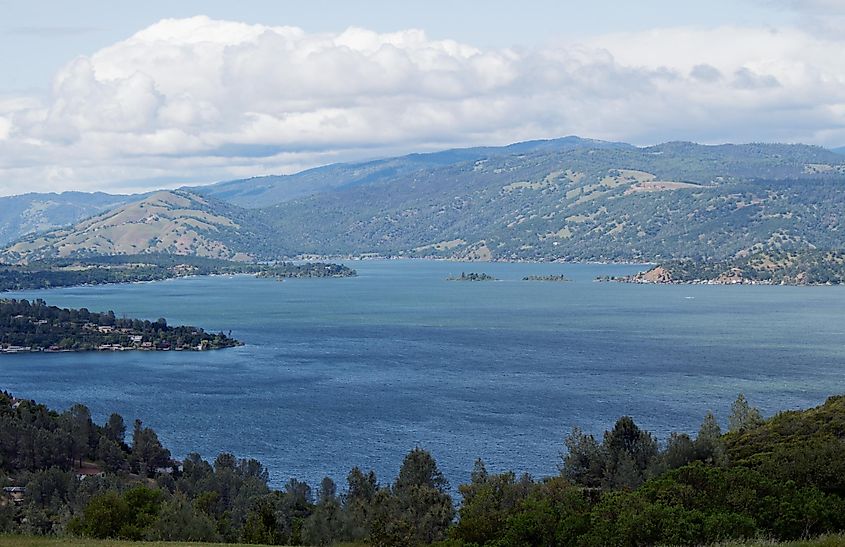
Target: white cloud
{"type": "Point", "coordinates": [200, 100]}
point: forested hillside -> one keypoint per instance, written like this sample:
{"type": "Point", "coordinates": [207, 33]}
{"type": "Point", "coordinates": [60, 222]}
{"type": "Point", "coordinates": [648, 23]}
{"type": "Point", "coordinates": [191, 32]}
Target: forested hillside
{"type": "Point", "coordinates": [780, 478]}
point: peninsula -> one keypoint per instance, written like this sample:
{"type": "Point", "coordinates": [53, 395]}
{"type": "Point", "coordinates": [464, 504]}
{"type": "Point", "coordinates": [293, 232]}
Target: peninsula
{"type": "Point", "coordinates": [101, 270]}
{"type": "Point", "coordinates": [34, 326]}
{"type": "Point", "coordinates": [805, 267]}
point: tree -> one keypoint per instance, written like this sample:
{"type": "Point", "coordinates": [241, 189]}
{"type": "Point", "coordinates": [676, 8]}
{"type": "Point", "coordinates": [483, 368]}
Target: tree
{"type": "Point", "coordinates": [178, 520]}
{"type": "Point", "coordinates": [147, 452]}
{"type": "Point", "coordinates": [709, 447]}
{"type": "Point", "coordinates": [630, 453]}
{"type": "Point", "coordinates": [358, 502]}
{"type": "Point", "coordinates": [81, 429]}
{"type": "Point", "coordinates": [111, 455]}
{"type": "Point", "coordinates": [743, 416]}
{"type": "Point", "coordinates": [418, 510]}
{"type": "Point", "coordinates": [585, 460]}
{"type": "Point", "coordinates": [324, 526]}
{"type": "Point", "coordinates": [115, 429]}
{"type": "Point", "coordinates": [680, 450]}
{"type": "Point", "coordinates": [105, 516]}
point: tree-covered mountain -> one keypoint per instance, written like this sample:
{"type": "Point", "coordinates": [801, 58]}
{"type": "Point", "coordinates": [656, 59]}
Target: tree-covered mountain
{"type": "Point", "coordinates": [30, 213]}
{"type": "Point", "coordinates": [672, 200]}
{"type": "Point", "coordinates": [564, 199]}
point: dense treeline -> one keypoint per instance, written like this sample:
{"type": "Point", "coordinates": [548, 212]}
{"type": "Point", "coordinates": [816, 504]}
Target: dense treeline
{"type": "Point", "coordinates": [37, 326]}
{"type": "Point", "coordinates": [779, 478]}
{"type": "Point", "coordinates": [101, 270]}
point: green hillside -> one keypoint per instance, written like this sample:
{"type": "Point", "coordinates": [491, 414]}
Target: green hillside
{"type": "Point", "coordinates": [674, 200]}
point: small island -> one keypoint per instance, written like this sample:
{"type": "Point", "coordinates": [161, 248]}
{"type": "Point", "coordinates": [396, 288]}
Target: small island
{"type": "Point", "coordinates": [805, 268]}
{"type": "Point", "coordinates": [556, 278]}
{"type": "Point", "coordinates": [289, 270]}
{"type": "Point", "coordinates": [472, 276]}
{"type": "Point", "coordinates": [34, 326]}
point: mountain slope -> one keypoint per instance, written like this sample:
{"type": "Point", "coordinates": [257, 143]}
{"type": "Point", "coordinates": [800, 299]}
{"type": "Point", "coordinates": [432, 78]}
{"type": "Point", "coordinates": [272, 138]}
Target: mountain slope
{"type": "Point", "coordinates": [30, 213]}
{"type": "Point", "coordinates": [671, 200]}
{"type": "Point", "coordinates": [568, 199]}
{"type": "Point", "coordinates": [271, 190]}
{"type": "Point", "coordinates": [173, 222]}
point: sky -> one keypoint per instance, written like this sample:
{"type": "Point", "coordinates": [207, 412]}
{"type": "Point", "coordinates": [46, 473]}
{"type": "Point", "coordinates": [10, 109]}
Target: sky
{"type": "Point", "coordinates": [125, 97]}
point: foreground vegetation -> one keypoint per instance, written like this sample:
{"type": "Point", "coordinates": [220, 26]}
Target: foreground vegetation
{"type": "Point", "coordinates": [781, 479]}
{"type": "Point", "coordinates": [34, 326]}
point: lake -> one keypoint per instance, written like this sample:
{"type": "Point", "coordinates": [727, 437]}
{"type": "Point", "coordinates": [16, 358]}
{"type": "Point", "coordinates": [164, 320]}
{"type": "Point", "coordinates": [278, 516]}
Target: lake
{"type": "Point", "coordinates": [358, 371]}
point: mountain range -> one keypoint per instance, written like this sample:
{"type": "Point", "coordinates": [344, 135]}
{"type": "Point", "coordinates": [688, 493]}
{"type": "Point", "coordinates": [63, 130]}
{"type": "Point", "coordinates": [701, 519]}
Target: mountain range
{"type": "Point", "coordinates": [560, 199]}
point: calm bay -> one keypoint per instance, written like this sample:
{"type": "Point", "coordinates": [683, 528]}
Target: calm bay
{"type": "Point", "coordinates": [343, 372]}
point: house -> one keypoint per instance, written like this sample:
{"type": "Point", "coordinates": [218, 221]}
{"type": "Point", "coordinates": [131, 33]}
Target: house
{"type": "Point", "coordinates": [175, 467]}
{"type": "Point", "coordinates": [15, 494]}
{"type": "Point", "coordinates": [105, 329]}
{"type": "Point", "coordinates": [136, 339]}
{"type": "Point", "coordinates": [88, 470]}
{"type": "Point", "coordinates": [17, 349]}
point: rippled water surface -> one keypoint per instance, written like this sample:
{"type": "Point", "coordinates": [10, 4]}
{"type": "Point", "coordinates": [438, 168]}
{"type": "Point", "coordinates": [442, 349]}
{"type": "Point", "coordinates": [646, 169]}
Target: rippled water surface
{"type": "Point", "coordinates": [344, 372]}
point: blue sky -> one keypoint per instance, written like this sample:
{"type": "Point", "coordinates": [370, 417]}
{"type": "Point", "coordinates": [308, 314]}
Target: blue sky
{"type": "Point", "coordinates": [122, 97]}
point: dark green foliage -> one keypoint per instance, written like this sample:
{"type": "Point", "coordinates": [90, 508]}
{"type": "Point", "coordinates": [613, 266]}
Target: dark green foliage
{"type": "Point", "coordinates": [127, 516]}
{"type": "Point", "coordinates": [417, 510]}
{"type": "Point", "coordinates": [179, 520]}
{"type": "Point", "coordinates": [779, 478]}
{"type": "Point", "coordinates": [625, 458]}
{"type": "Point", "coordinates": [37, 326]}
{"type": "Point", "coordinates": [148, 455]}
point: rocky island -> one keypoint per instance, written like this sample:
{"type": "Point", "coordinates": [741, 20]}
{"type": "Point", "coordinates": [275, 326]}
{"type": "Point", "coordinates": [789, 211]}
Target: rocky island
{"type": "Point", "coordinates": [472, 276]}
{"type": "Point", "coordinates": [557, 278]}
{"type": "Point", "coordinates": [34, 326]}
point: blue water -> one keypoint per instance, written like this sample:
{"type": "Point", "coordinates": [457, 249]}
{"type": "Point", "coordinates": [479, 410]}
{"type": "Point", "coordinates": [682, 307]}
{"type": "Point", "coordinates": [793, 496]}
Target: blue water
{"type": "Point", "coordinates": [345, 372]}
